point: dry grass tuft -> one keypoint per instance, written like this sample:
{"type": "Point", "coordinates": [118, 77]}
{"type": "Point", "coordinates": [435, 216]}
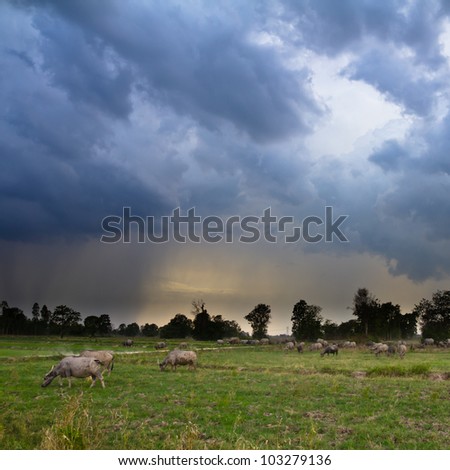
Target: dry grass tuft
{"type": "Point", "coordinates": [73, 428]}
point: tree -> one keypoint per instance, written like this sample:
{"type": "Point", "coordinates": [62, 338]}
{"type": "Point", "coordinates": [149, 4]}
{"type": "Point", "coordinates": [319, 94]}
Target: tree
{"type": "Point", "coordinates": [231, 328]}
{"type": "Point", "coordinates": [35, 312]}
{"type": "Point", "coordinates": [306, 321]}
{"type": "Point", "coordinates": [365, 308]}
{"type": "Point", "coordinates": [330, 330]}
{"type": "Point", "coordinates": [225, 328]}
{"type": "Point", "coordinates": [221, 328]}
{"type": "Point", "coordinates": [64, 319]}
{"type": "Point", "coordinates": [12, 320]}
{"type": "Point", "coordinates": [203, 325]}
{"type": "Point", "coordinates": [91, 325]}
{"type": "Point", "coordinates": [132, 329]}
{"type": "Point", "coordinates": [408, 325]}
{"type": "Point", "coordinates": [180, 326]}
{"type": "Point", "coordinates": [348, 329]}
{"type": "Point", "coordinates": [45, 316]}
{"type": "Point", "coordinates": [259, 318]}
{"type": "Point", "coordinates": [104, 325]}
{"type": "Point", "coordinates": [434, 315]}
{"type": "Point", "coordinates": [121, 329]}
{"type": "Point", "coordinates": [151, 330]}
{"type": "Point", "coordinates": [198, 306]}
{"type": "Point", "coordinates": [35, 317]}
{"type": "Point", "coordinates": [387, 321]}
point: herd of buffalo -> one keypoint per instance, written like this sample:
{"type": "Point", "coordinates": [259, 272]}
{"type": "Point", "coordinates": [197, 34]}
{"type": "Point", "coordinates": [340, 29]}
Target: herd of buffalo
{"type": "Point", "coordinates": [92, 363]}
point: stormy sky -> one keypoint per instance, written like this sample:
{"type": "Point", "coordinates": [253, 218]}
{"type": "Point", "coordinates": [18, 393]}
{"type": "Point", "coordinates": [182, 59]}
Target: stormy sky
{"type": "Point", "coordinates": [228, 108]}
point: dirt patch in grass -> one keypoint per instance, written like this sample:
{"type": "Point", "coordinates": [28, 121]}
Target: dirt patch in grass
{"type": "Point", "coordinates": [439, 376]}
{"type": "Point", "coordinates": [359, 374]}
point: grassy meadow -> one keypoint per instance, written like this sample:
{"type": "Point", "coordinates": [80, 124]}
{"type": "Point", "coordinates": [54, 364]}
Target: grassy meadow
{"type": "Point", "coordinates": [242, 397]}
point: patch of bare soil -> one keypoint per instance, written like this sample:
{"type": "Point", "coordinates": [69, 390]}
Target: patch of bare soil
{"type": "Point", "coordinates": [439, 376]}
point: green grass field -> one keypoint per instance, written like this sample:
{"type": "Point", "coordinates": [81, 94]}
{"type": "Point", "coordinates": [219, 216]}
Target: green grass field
{"type": "Point", "coordinates": [238, 398]}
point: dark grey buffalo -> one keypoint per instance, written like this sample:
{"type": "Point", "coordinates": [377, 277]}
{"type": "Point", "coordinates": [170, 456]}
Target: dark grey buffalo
{"type": "Point", "coordinates": [333, 350]}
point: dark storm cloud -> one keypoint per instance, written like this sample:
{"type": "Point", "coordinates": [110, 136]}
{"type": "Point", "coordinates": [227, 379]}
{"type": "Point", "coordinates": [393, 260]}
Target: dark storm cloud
{"type": "Point", "coordinates": [421, 170]}
{"type": "Point", "coordinates": [397, 77]}
{"type": "Point", "coordinates": [396, 45]}
{"type": "Point", "coordinates": [349, 25]}
{"type": "Point", "coordinates": [198, 61]}
{"type": "Point", "coordinates": [389, 156]}
{"type": "Point", "coordinates": [399, 206]}
{"type": "Point", "coordinates": [397, 219]}
{"type": "Point", "coordinates": [51, 181]}
{"type": "Point", "coordinates": [90, 63]}
{"type": "Point", "coordinates": [401, 212]}
{"type": "Point", "coordinates": [84, 67]}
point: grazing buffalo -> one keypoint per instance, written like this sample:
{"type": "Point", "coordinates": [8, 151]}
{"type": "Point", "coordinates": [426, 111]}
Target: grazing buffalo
{"type": "Point", "coordinates": [380, 348]}
{"type": "Point", "coordinates": [333, 350]}
{"type": "Point", "coordinates": [105, 357]}
{"type": "Point", "coordinates": [79, 367]}
{"type": "Point", "coordinates": [289, 346]}
{"type": "Point", "coordinates": [402, 350]}
{"type": "Point", "coordinates": [179, 358]}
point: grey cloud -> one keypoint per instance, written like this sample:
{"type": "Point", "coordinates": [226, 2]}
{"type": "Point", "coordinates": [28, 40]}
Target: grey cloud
{"type": "Point", "coordinates": [420, 183]}
{"type": "Point", "coordinates": [400, 215]}
{"type": "Point", "coordinates": [389, 156]}
{"type": "Point", "coordinates": [201, 64]}
{"type": "Point", "coordinates": [396, 45]}
{"type": "Point", "coordinates": [84, 67]}
{"type": "Point", "coordinates": [52, 182]}
{"type": "Point", "coordinates": [397, 77]}
{"type": "Point", "coordinates": [335, 27]}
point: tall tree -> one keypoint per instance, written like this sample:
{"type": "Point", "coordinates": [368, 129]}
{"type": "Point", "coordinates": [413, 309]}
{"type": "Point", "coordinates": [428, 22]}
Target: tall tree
{"type": "Point", "coordinates": [365, 308]}
{"type": "Point", "coordinates": [35, 317]}
{"type": "Point", "coordinates": [35, 312]}
{"type": "Point", "coordinates": [408, 325]}
{"type": "Point", "coordinates": [121, 329]}
{"type": "Point", "coordinates": [132, 329]}
{"type": "Point", "coordinates": [434, 315]}
{"type": "Point", "coordinates": [104, 325]}
{"type": "Point", "coordinates": [259, 319]}
{"type": "Point", "coordinates": [91, 325]}
{"type": "Point", "coordinates": [348, 329]}
{"type": "Point", "coordinates": [149, 330]}
{"type": "Point", "coordinates": [306, 321]}
{"type": "Point", "coordinates": [203, 325]}
{"type": "Point", "coordinates": [231, 328]}
{"type": "Point", "coordinates": [12, 320]}
{"type": "Point", "coordinates": [388, 321]}
{"type": "Point", "coordinates": [198, 306]}
{"type": "Point", "coordinates": [330, 330]}
{"type": "Point", "coordinates": [45, 316]}
{"type": "Point", "coordinates": [65, 318]}
{"type": "Point", "coordinates": [180, 326]}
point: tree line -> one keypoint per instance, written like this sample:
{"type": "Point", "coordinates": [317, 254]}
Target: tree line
{"type": "Point", "coordinates": [373, 319]}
